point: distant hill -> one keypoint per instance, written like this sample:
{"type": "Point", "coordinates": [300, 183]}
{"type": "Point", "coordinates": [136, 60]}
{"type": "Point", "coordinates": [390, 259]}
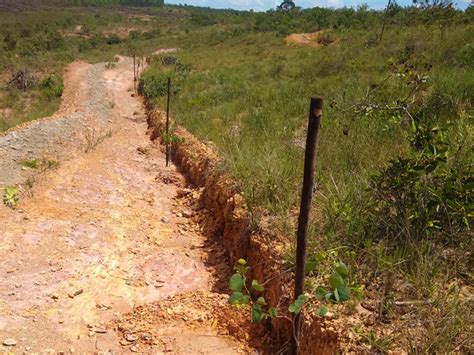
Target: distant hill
{"type": "Point", "coordinates": [117, 2]}
{"type": "Point", "coordinates": [22, 5]}
{"type": "Point", "coordinates": [30, 5]}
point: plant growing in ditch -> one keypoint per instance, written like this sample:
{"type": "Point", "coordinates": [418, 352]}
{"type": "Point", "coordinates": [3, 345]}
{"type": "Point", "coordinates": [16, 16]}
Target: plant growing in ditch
{"type": "Point", "coordinates": [338, 290]}
{"type": "Point", "coordinates": [10, 196]}
{"type": "Point", "coordinates": [171, 137]}
{"type": "Point", "coordinates": [242, 295]}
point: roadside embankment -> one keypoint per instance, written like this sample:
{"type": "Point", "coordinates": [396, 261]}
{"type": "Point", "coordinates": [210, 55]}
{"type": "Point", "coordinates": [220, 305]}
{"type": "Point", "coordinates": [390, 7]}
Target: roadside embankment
{"type": "Point", "coordinates": [226, 218]}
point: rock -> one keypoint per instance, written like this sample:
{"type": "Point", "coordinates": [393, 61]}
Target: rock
{"type": "Point", "coordinates": [142, 150]}
{"type": "Point", "coordinates": [187, 214]}
{"type": "Point", "coordinates": [28, 348]}
{"type": "Point", "coordinates": [165, 219]}
{"type": "Point", "coordinates": [9, 342]}
{"type": "Point", "coordinates": [101, 330]}
{"type": "Point", "coordinates": [131, 338]}
{"type": "Point", "coordinates": [76, 293]}
{"type": "Point", "coordinates": [123, 342]}
{"type": "Point", "coordinates": [55, 296]}
{"type": "Point", "coordinates": [134, 349]}
{"type": "Point", "coordinates": [179, 214]}
{"type": "Point", "coordinates": [182, 192]}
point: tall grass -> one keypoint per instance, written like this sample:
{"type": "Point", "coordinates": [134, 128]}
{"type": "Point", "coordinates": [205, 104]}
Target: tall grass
{"type": "Point", "coordinates": [249, 95]}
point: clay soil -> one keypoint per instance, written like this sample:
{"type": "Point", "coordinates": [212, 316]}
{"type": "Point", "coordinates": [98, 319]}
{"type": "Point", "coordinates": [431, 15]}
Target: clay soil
{"type": "Point", "coordinates": [103, 252]}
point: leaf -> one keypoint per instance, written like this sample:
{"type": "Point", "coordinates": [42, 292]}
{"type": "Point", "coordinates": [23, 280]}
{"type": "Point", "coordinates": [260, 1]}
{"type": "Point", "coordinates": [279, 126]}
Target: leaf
{"type": "Point", "coordinates": [336, 295]}
{"type": "Point", "coordinates": [336, 280]}
{"type": "Point", "coordinates": [261, 301]}
{"type": "Point", "coordinates": [236, 297]}
{"type": "Point", "coordinates": [296, 306]}
{"type": "Point", "coordinates": [256, 286]}
{"type": "Point", "coordinates": [323, 310]}
{"type": "Point", "coordinates": [342, 269]}
{"type": "Point", "coordinates": [311, 266]}
{"type": "Point", "coordinates": [320, 292]}
{"type": "Point", "coordinates": [236, 282]}
{"type": "Point", "coordinates": [241, 269]}
{"type": "Point", "coordinates": [241, 262]}
{"type": "Point", "coordinates": [344, 293]}
{"type": "Point", "coordinates": [293, 309]}
{"type": "Point", "coordinates": [273, 312]}
{"type": "Point", "coordinates": [257, 313]}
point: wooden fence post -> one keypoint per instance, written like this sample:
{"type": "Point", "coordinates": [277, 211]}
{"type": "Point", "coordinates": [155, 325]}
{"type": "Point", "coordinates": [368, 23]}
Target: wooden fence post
{"type": "Point", "coordinates": [168, 123]}
{"type": "Point", "coordinates": [315, 113]}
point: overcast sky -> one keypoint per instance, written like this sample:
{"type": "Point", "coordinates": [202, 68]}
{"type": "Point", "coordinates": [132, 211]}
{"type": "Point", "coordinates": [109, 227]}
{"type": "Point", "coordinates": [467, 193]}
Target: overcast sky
{"type": "Point", "coordinates": [264, 5]}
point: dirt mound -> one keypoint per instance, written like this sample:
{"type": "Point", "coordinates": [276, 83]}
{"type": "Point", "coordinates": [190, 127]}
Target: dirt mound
{"type": "Point", "coordinates": [186, 323]}
{"type": "Point", "coordinates": [314, 39]}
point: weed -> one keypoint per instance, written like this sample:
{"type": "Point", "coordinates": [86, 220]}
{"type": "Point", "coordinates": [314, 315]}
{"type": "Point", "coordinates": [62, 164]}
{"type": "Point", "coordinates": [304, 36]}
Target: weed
{"type": "Point", "coordinates": [32, 164]}
{"type": "Point", "coordinates": [93, 138]}
{"type": "Point", "coordinates": [40, 164]}
{"type": "Point", "coordinates": [10, 196]}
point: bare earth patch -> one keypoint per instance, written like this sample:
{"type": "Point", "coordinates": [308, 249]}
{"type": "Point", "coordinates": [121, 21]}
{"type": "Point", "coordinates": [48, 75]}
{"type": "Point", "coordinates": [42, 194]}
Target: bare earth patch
{"type": "Point", "coordinates": [307, 39]}
{"type": "Point", "coordinates": [105, 236]}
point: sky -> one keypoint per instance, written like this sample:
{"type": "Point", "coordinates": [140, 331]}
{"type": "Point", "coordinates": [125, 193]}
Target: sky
{"type": "Point", "coordinates": [264, 5]}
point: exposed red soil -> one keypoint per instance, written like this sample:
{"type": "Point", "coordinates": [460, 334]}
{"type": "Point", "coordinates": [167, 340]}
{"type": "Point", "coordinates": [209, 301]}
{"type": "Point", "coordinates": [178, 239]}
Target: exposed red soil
{"type": "Point", "coordinates": [107, 239]}
{"type": "Point", "coordinates": [307, 39]}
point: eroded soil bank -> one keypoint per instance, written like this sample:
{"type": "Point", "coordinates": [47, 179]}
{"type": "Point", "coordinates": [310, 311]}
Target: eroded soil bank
{"type": "Point", "coordinates": [224, 215]}
{"type": "Point", "coordinates": [105, 252]}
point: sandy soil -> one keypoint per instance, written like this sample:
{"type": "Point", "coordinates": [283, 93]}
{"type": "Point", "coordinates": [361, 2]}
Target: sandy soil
{"type": "Point", "coordinates": [308, 39]}
{"type": "Point", "coordinates": [102, 253]}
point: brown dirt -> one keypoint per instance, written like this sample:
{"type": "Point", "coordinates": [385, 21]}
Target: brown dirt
{"type": "Point", "coordinates": [307, 39]}
{"type": "Point", "coordinates": [106, 241]}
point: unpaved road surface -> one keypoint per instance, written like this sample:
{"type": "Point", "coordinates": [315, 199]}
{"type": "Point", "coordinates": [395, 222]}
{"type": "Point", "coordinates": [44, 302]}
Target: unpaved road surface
{"type": "Point", "coordinates": [101, 253]}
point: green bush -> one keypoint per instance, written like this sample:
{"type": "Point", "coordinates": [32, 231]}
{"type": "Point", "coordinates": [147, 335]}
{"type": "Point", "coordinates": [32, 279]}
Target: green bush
{"type": "Point", "coordinates": [154, 84]}
{"type": "Point", "coordinates": [52, 85]}
{"type": "Point", "coordinates": [428, 193]}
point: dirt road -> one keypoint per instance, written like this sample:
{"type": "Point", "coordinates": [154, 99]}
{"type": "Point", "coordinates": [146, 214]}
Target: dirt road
{"type": "Point", "coordinates": [101, 253]}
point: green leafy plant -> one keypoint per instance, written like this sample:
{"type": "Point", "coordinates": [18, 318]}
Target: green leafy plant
{"type": "Point", "coordinates": [338, 288]}
{"type": "Point", "coordinates": [424, 193]}
{"type": "Point", "coordinates": [10, 196]}
{"type": "Point", "coordinates": [250, 297]}
{"type": "Point", "coordinates": [52, 85]}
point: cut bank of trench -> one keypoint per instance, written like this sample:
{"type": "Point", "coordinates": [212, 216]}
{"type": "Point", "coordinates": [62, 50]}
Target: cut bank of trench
{"type": "Point", "coordinates": [104, 253]}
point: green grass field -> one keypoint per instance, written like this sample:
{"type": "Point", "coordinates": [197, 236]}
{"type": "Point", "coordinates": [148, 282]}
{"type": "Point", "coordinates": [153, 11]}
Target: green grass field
{"type": "Point", "coordinates": [380, 206]}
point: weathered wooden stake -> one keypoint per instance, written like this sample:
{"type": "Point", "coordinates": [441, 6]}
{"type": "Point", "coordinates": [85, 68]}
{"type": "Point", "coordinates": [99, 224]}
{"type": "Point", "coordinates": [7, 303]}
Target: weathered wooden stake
{"type": "Point", "coordinates": [315, 112]}
{"type": "Point", "coordinates": [168, 123]}
{"type": "Point", "coordinates": [134, 75]}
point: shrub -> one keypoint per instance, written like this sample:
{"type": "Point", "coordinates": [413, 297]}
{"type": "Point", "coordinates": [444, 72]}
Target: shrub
{"type": "Point", "coordinates": [428, 193]}
{"type": "Point", "coordinates": [52, 85]}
